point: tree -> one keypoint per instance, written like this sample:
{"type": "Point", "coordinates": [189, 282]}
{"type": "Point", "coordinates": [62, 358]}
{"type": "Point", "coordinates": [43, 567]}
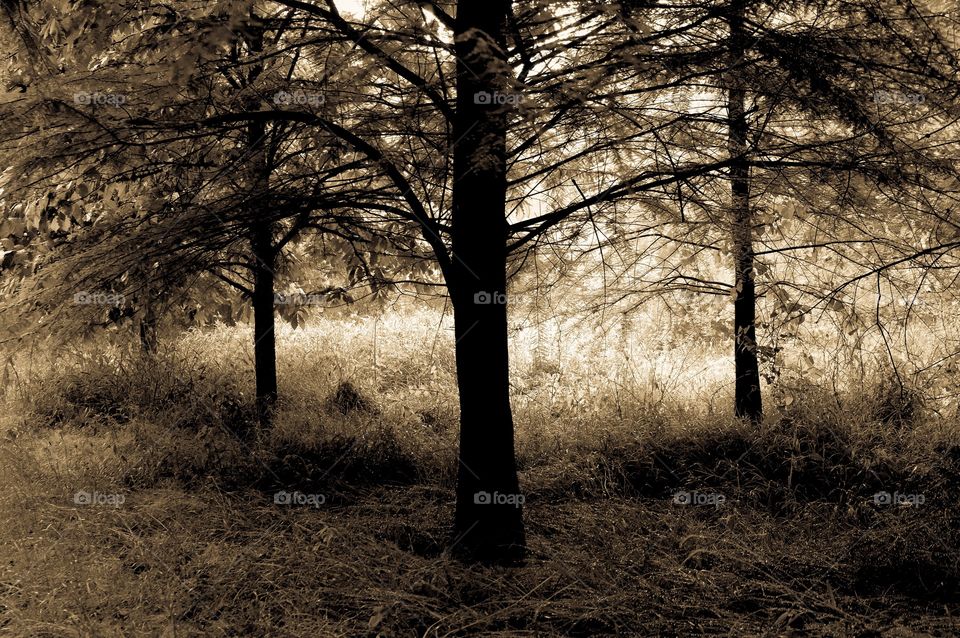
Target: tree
{"type": "Point", "coordinates": [191, 194]}
{"type": "Point", "coordinates": [781, 95]}
{"type": "Point", "coordinates": [487, 526]}
{"type": "Point", "coordinates": [747, 400]}
{"type": "Point", "coordinates": [522, 150]}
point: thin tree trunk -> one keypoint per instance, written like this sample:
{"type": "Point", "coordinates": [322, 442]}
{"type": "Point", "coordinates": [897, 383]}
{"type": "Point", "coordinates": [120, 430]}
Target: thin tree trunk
{"type": "Point", "coordinates": [149, 339]}
{"type": "Point", "coordinates": [488, 522]}
{"type": "Point", "coordinates": [264, 344]}
{"type": "Point", "coordinates": [747, 389]}
{"type": "Point", "coordinates": [264, 255]}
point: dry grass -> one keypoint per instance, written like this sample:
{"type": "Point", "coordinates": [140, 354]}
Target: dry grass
{"type": "Point", "coordinates": [604, 442]}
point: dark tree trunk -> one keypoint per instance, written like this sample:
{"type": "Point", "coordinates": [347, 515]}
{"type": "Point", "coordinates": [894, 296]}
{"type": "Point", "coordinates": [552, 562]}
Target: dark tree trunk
{"type": "Point", "coordinates": [264, 344]}
{"type": "Point", "coordinates": [149, 339]}
{"type": "Point", "coordinates": [263, 264]}
{"type": "Point", "coordinates": [489, 520]}
{"type": "Point", "coordinates": [264, 253]}
{"type": "Point", "coordinates": [747, 399]}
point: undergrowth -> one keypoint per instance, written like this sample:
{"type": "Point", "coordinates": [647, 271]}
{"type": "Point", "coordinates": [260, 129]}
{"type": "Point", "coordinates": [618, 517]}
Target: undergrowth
{"type": "Point", "coordinates": [799, 543]}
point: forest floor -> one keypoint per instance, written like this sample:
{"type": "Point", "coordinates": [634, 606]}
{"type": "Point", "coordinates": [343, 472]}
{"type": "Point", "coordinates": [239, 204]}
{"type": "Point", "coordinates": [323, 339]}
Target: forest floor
{"type": "Point", "coordinates": [136, 503]}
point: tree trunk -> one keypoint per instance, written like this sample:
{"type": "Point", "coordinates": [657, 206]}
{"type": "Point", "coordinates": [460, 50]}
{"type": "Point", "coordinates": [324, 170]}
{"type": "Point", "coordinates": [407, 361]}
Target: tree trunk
{"type": "Point", "coordinates": [149, 339]}
{"type": "Point", "coordinates": [264, 252]}
{"type": "Point", "coordinates": [264, 344]}
{"type": "Point", "coordinates": [747, 398]}
{"type": "Point", "coordinates": [489, 521]}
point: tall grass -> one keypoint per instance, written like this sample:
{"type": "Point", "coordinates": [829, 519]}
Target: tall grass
{"type": "Point", "coordinates": [611, 426]}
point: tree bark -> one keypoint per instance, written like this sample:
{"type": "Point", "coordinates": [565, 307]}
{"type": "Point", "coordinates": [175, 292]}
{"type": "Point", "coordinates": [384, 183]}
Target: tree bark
{"type": "Point", "coordinates": [489, 521]}
{"type": "Point", "coordinates": [264, 337]}
{"type": "Point", "coordinates": [263, 265]}
{"type": "Point", "coordinates": [149, 339]}
{"type": "Point", "coordinates": [747, 398]}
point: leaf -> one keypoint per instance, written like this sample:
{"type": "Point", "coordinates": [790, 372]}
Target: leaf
{"type": "Point", "coordinates": [32, 214]}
